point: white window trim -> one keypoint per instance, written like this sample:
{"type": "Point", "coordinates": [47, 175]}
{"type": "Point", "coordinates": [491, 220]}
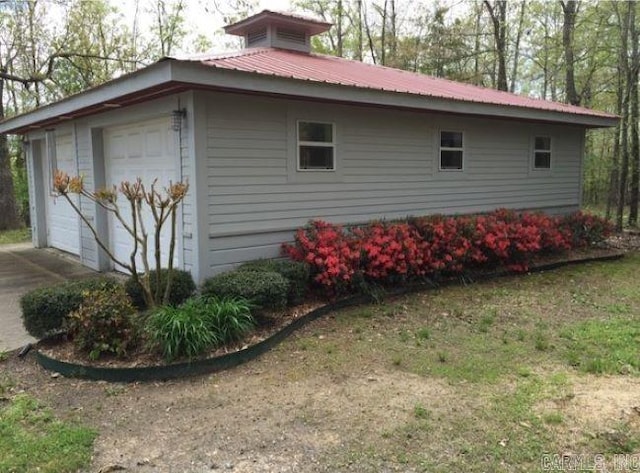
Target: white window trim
{"type": "Point", "coordinates": [536, 150]}
{"type": "Point", "coordinates": [319, 144]}
{"type": "Point", "coordinates": [448, 148]}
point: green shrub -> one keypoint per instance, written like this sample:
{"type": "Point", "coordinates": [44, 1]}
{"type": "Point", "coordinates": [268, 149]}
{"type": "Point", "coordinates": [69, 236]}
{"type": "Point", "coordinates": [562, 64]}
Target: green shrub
{"type": "Point", "coordinates": [586, 229]}
{"type": "Point", "coordinates": [197, 325]}
{"type": "Point", "coordinates": [44, 310]}
{"type": "Point", "coordinates": [296, 272]}
{"type": "Point", "coordinates": [229, 317]}
{"type": "Point", "coordinates": [103, 323]}
{"type": "Point", "coordinates": [261, 288]}
{"type": "Point", "coordinates": [182, 287]}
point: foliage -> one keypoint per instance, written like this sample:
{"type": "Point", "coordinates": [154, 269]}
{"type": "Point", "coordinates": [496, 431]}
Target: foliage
{"type": "Point", "coordinates": [44, 309]}
{"type": "Point", "coordinates": [296, 272]}
{"type": "Point", "coordinates": [182, 287]}
{"type": "Point", "coordinates": [32, 439]}
{"type": "Point", "coordinates": [21, 186]}
{"type": "Point", "coordinates": [199, 324]}
{"type": "Point", "coordinates": [586, 229]}
{"type": "Point", "coordinates": [261, 288]}
{"type": "Point", "coordinates": [103, 323]}
{"type": "Point", "coordinates": [15, 236]}
{"type": "Point", "coordinates": [328, 250]}
{"type": "Point", "coordinates": [434, 246]}
{"type": "Point", "coordinates": [229, 317]}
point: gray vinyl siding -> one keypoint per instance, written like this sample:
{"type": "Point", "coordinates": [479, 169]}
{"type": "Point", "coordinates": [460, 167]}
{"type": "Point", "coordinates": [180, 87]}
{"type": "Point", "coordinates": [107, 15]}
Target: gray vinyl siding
{"type": "Point", "coordinates": [386, 167]}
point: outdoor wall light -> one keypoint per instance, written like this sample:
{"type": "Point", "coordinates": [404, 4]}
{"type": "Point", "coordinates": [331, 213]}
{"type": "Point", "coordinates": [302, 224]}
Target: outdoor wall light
{"type": "Point", "coordinates": [176, 119]}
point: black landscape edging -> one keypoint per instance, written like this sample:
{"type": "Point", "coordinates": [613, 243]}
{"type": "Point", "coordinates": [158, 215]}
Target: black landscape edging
{"type": "Point", "coordinates": [231, 360]}
{"type": "Point", "coordinates": [194, 367]}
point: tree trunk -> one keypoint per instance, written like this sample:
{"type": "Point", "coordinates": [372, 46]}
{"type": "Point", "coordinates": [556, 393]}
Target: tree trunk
{"type": "Point", "coordinates": [477, 80]}
{"type": "Point", "coordinates": [360, 38]}
{"type": "Point", "coordinates": [498, 14]}
{"type": "Point", "coordinates": [8, 209]}
{"type": "Point", "coordinates": [635, 139]}
{"type": "Point", "coordinates": [570, 10]}
{"type": "Point", "coordinates": [340, 48]}
{"type": "Point", "coordinates": [624, 126]}
{"type": "Point", "coordinates": [383, 36]}
{"type": "Point", "coordinates": [516, 51]}
{"type": "Point", "coordinates": [612, 198]}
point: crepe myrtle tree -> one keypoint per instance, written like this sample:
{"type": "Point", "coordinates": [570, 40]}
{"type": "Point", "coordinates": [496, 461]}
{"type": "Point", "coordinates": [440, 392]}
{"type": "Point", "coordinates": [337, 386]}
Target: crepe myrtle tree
{"type": "Point", "coordinates": [163, 206]}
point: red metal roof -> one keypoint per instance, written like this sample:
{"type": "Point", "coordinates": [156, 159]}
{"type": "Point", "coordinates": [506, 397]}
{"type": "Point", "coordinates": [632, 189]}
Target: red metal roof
{"type": "Point", "coordinates": [339, 71]}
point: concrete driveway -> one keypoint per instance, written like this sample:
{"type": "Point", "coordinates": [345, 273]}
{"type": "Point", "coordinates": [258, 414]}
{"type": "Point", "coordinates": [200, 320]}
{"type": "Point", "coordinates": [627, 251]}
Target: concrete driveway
{"type": "Point", "coordinates": [23, 268]}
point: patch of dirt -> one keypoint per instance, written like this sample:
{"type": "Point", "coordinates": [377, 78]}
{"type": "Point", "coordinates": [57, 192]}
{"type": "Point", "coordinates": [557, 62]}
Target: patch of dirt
{"type": "Point", "coordinates": [604, 401]}
{"type": "Point", "coordinates": [255, 418]}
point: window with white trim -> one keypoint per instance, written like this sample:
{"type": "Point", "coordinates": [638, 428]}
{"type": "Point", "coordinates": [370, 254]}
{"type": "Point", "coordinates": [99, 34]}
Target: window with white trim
{"type": "Point", "coordinates": [451, 151]}
{"type": "Point", "coordinates": [316, 146]}
{"type": "Point", "coordinates": [542, 152]}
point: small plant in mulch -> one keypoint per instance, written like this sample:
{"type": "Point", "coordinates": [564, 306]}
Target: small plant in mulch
{"type": "Point", "coordinates": [199, 324]}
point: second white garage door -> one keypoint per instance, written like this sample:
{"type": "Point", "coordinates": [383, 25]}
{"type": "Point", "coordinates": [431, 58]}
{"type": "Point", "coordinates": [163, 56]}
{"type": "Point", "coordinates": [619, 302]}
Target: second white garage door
{"type": "Point", "coordinates": [146, 150]}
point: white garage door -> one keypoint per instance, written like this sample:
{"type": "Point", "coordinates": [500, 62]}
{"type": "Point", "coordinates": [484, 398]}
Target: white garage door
{"type": "Point", "coordinates": [63, 229]}
{"type": "Point", "coordinates": [146, 150]}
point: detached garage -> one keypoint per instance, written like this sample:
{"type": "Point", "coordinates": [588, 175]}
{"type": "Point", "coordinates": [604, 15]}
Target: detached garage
{"type": "Point", "coordinates": [274, 135]}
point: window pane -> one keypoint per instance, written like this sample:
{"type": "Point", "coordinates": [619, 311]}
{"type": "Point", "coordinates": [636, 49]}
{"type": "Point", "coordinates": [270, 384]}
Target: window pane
{"type": "Point", "coordinates": [451, 139]}
{"type": "Point", "coordinates": [542, 160]}
{"type": "Point", "coordinates": [316, 157]}
{"type": "Point", "coordinates": [543, 143]}
{"type": "Point", "coordinates": [321, 132]}
{"type": "Point", "coordinates": [450, 159]}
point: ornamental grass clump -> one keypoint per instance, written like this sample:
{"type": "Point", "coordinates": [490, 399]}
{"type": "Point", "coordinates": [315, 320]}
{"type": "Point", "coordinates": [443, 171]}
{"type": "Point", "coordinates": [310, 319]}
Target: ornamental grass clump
{"type": "Point", "coordinates": [198, 325]}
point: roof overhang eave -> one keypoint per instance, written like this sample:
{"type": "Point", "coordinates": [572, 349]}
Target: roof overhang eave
{"type": "Point", "coordinates": [137, 86]}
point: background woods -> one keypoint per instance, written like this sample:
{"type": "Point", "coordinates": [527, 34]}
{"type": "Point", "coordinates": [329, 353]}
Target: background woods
{"type": "Point", "coordinates": [583, 53]}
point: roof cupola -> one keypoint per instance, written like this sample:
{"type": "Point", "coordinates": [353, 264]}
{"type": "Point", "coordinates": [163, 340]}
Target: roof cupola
{"type": "Point", "coordinates": [278, 30]}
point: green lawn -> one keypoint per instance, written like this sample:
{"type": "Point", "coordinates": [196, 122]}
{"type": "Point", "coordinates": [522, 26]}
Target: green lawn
{"type": "Point", "coordinates": [15, 236]}
{"type": "Point", "coordinates": [32, 439]}
{"type": "Point", "coordinates": [512, 354]}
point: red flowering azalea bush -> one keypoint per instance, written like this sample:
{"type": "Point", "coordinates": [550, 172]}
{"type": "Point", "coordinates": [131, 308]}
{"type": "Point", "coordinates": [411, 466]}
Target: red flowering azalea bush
{"type": "Point", "coordinates": [391, 251]}
{"type": "Point", "coordinates": [585, 229]}
{"type": "Point", "coordinates": [383, 252]}
{"type": "Point", "coordinates": [329, 250]}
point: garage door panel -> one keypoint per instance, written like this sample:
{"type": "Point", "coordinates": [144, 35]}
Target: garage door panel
{"type": "Point", "coordinates": [147, 151]}
{"type": "Point", "coordinates": [63, 224]}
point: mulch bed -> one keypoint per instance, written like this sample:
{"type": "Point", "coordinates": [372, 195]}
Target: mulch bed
{"type": "Point", "coordinates": [270, 323]}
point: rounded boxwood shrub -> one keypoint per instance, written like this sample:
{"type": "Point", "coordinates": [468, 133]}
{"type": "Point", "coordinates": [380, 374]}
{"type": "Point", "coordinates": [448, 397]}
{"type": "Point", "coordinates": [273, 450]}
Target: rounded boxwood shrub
{"type": "Point", "coordinates": [44, 309]}
{"type": "Point", "coordinates": [296, 272]}
{"type": "Point", "coordinates": [182, 287]}
{"type": "Point", "coordinates": [198, 324]}
{"type": "Point", "coordinates": [261, 288]}
{"type": "Point", "coordinates": [103, 323]}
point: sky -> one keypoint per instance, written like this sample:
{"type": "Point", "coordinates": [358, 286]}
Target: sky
{"type": "Point", "coordinates": [201, 17]}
